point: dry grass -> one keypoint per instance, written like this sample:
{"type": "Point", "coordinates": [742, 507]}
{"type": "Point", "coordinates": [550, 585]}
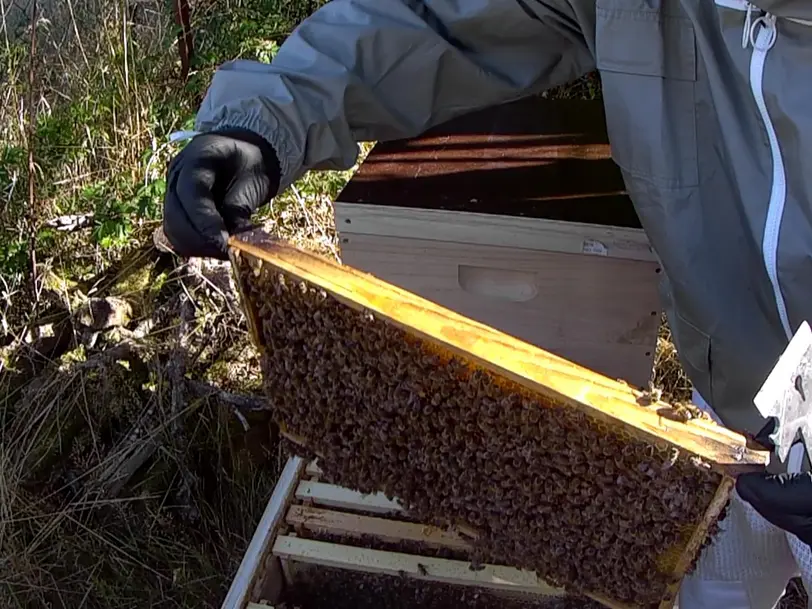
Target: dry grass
{"type": "Point", "coordinates": [669, 375]}
{"type": "Point", "coordinates": [123, 486]}
{"type": "Point", "coordinates": [126, 481]}
{"type": "Point", "coordinates": [90, 92]}
{"type": "Point", "coordinates": [123, 483]}
{"type": "Point", "coordinates": [82, 95]}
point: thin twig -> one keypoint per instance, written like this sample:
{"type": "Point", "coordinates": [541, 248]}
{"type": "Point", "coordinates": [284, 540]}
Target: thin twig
{"type": "Point", "coordinates": [32, 117]}
{"type": "Point", "coordinates": [5, 26]}
{"type": "Point", "coordinates": [76, 32]}
{"type": "Point", "coordinates": [185, 37]}
{"type": "Point", "coordinates": [126, 45]}
{"type": "Point", "coordinates": [176, 372]}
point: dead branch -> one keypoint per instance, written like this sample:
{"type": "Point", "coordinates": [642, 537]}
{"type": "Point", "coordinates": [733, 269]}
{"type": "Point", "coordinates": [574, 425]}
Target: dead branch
{"type": "Point", "coordinates": [185, 36]}
{"type": "Point", "coordinates": [176, 372]}
{"type": "Point", "coordinates": [176, 368]}
{"type": "Point", "coordinates": [244, 402]}
{"type": "Point", "coordinates": [124, 351]}
{"type": "Point", "coordinates": [104, 313]}
{"type": "Point", "coordinates": [143, 442]}
{"type": "Point", "coordinates": [116, 274]}
{"type": "Point", "coordinates": [130, 455]}
{"type": "Point", "coordinates": [127, 350]}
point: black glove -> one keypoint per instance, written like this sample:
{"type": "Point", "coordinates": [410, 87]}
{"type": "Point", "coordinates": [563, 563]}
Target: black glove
{"type": "Point", "coordinates": [785, 500]}
{"type": "Point", "coordinates": [213, 186]}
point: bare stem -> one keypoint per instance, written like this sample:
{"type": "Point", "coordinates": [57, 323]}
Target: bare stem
{"type": "Point", "coordinates": [32, 201]}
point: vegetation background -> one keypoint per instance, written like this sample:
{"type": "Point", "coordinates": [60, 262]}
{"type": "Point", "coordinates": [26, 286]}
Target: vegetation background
{"type": "Point", "coordinates": [134, 461]}
{"type": "Point", "coordinates": [136, 455]}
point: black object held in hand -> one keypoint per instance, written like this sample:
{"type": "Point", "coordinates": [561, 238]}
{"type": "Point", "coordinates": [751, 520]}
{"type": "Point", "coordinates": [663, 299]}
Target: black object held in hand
{"type": "Point", "coordinates": [785, 500]}
{"type": "Point", "coordinates": [213, 187]}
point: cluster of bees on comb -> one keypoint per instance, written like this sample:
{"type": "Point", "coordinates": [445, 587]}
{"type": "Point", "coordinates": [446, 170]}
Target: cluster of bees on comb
{"type": "Point", "coordinates": [585, 505]}
{"type": "Point", "coordinates": [341, 589]}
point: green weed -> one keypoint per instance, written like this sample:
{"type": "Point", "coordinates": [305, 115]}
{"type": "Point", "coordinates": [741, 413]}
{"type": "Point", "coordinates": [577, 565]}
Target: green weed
{"type": "Point", "coordinates": [107, 95]}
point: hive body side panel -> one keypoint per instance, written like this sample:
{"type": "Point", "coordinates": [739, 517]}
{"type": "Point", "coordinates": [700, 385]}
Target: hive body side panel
{"type": "Point", "coordinates": [489, 229]}
{"type": "Point", "coordinates": [599, 312]}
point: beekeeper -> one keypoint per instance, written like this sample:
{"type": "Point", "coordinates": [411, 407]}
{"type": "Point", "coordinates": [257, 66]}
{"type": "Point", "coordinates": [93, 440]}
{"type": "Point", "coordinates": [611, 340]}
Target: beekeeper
{"type": "Point", "coordinates": [709, 114]}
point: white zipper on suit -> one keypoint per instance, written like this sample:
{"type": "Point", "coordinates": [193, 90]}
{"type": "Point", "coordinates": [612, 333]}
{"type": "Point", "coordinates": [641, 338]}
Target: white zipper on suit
{"type": "Point", "coordinates": [761, 32]}
{"type": "Point", "coordinates": [762, 35]}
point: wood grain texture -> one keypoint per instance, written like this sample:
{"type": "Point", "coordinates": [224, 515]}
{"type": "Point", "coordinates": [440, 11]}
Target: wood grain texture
{"type": "Point", "coordinates": [417, 567]}
{"type": "Point", "coordinates": [358, 526]}
{"type": "Point", "coordinates": [492, 229]}
{"type": "Point", "coordinates": [540, 371]}
{"type": "Point", "coordinates": [528, 158]}
{"type": "Point", "coordinates": [330, 495]}
{"type": "Point", "coordinates": [601, 313]}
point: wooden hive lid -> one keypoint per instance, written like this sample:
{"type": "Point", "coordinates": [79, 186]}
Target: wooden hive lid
{"type": "Point", "coordinates": [534, 157]}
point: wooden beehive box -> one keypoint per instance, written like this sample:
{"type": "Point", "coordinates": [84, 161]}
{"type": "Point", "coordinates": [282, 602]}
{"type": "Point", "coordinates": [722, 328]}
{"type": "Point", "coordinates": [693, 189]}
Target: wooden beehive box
{"type": "Point", "coordinates": [579, 478]}
{"type": "Point", "coordinates": [517, 217]}
{"type": "Point", "coordinates": [315, 537]}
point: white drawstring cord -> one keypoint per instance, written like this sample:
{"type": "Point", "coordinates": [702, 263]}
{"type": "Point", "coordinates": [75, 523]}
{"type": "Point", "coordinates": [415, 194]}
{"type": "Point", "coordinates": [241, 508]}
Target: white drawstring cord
{"type": "Point", "coordinates": [747, 29]}
{"type": "Point", "coordinates": [751, 27]}
{"type": "Point", "coordinates": [767, 21]}
{"type": "Point", "coordinates": [177, 136]}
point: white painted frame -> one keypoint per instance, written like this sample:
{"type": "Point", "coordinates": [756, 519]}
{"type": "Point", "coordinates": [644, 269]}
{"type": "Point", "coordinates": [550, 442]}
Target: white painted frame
{"type": "Point", "coordinates": [240, 590]}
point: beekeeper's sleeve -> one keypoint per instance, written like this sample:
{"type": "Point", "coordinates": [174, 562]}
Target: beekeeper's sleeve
{"type": "Point", "coordinates": [373, 70]}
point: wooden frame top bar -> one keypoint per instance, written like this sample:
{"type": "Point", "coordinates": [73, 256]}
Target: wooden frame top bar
{"type": "Point", "coordinates": [494, 577]}
{"type": "Point", "coordinates": [533, 368]}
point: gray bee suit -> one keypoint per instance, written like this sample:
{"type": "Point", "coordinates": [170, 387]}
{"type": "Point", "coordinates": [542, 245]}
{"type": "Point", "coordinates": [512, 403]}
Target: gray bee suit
{"type": "Point", "coordinates": [709, 112]}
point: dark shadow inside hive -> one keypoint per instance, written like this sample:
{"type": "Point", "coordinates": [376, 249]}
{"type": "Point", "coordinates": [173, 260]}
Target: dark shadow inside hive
{"type": "Point", "coordinates": [523, 158]}
{"type": "Point", "coordinates": [586, 506]}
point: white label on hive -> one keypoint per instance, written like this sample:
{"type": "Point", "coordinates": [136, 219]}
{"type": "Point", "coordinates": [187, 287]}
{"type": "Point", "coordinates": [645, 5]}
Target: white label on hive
{"type": "Point", "coordinates": [593, 246]}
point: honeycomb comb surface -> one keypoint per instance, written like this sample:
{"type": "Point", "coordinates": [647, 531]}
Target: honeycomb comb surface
{"type": "Point", "coordinates": [327, 588]}
{"type": "Point", "coordinates": [586, 506]}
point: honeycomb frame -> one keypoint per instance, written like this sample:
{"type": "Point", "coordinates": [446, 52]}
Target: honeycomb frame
{"type": "Point", "coordinates": [610, 404]}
